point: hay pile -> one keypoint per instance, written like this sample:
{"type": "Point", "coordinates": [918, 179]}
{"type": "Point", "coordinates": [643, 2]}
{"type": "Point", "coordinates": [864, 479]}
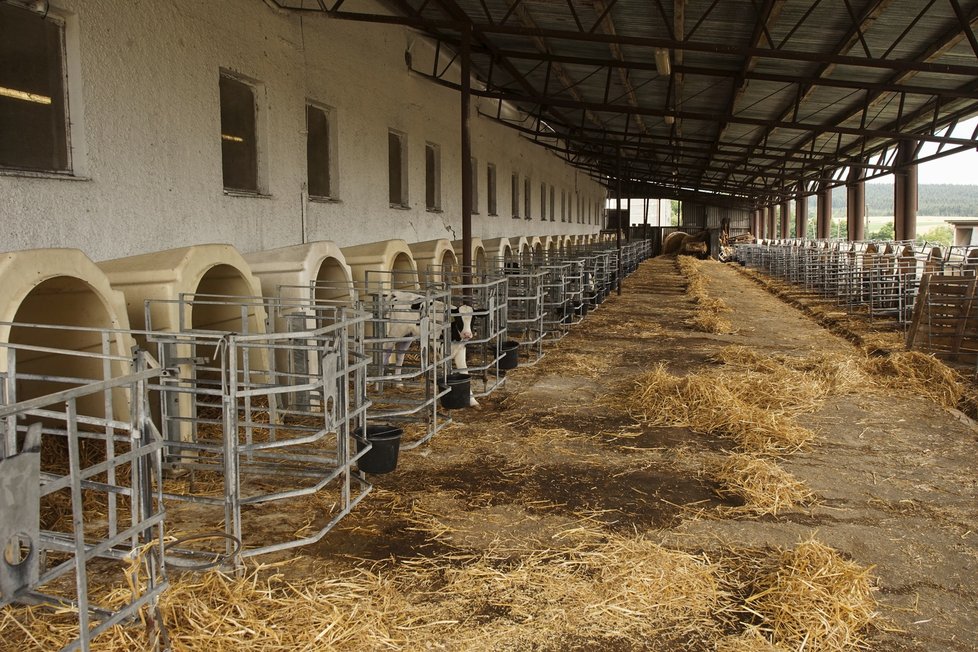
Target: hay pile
{"type": "Point", "coordinates": [814, 600]}
{"type": "Point", "coordinates": [593, 590]}
{"type": "Point", "coordinates": [718, 403]}
{"type": "Point", "coordinates": [919, 374]}
{"type": "Point", "coordinates": [764, 486]}
{"type": "Point", "coordinates": [708, 309]}
{"type": "Point", "coordinates": [590, 591]}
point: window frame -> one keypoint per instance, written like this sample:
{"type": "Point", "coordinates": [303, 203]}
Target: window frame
{"type": "Point", "coordinates": [257, 91]}
{"type": "Point", "coordinates": [404, 199]}
{"type": "Point", "coordinates": [434, 206]}
{"type": "Point", "coordinates": [329, 112]}
{"type": "Point", "coordinates": [491, 197]}
{"type": "Point", "coordinates": [70, 92]}
{"type": "Point", "coordinates": [514, 183]}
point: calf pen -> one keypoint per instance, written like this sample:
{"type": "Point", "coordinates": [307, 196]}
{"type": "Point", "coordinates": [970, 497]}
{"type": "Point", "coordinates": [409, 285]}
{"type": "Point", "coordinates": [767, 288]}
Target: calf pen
{"type": "Point", "coordinates": [486, 291]}
{"type": "Point", "coordinates": [407, 393]}
{"type": "Point", "coordinates": [80, 480]}
{"type": "Point", "coordinates": [259, 424]}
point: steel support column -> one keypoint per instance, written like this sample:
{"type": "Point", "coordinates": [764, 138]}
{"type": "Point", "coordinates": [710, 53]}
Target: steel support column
{"type": "Point", "coordinates": [785, 215]}
{"type": "Point", "coordinates": [905, 193]}
{"type": "Point", "coordinates": [801, 216]}
{"type": "Point", "coordinates": [855, 205]}
{"type": "Point", "coordinates": [466, 160]}
{"type": "Point", "coordinates": [823, 219]}
{"type": "Point", "coordinates": [620, 220]}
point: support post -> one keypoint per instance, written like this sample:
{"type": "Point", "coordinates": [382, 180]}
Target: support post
{"type": "Point", "coordinates": [772, 230]}
{"type": "Point", "coordinates": [905, 193]}
{"type": "Point", "coordinates": [785, 214]}
{"type": "Point", "coordinates": [645, 219]}
{"type": "Point", "coordinates": [801, 216]}
{"type": "Point", "coordinates": [823, 215]}
{"type": "Point", "coordinates": [618, 230]}
{"type": "Point", "coordinates": [855, 205]}
{"type": "Point", "coordinates": [466, 160]}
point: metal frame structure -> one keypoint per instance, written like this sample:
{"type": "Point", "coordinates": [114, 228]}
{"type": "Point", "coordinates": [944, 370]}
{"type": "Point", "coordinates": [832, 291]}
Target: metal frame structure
{"type": "Point", "coordinates": [80, 481]}
{"type": "Point", "coordinates": [697, 98]}
{"type": "Point", "coordinates": [257, 420]}
{"type": "Point", "coordinates": [525, 309]}
{"type": "Point", "coordinates": [487, 292]}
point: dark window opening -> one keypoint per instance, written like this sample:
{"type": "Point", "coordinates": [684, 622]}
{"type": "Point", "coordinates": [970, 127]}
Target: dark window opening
{"type": "Point", "coordinates": [318, 153]}
{"type": "Point", "coordinates": [33, 109]}
{"type": "Point", "coordinates": [239, 142]}
{"type": "Point", "coordinates": [515, 182]}
{"type": "Point", "coordinates": [396, 169]}
{"type": "Point", "coordinates": [432, 166]}
{"type": "Point", "coordinates": [491, 189]}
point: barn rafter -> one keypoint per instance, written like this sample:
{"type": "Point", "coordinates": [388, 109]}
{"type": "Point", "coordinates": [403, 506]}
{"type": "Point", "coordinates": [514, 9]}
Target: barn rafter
{"type": "Point", "coordinates": [756, 100]}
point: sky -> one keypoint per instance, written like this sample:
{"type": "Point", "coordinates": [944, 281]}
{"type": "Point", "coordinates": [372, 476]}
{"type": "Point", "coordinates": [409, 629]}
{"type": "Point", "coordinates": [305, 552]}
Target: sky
{"type": "Point", "coordinates": [959, 168]}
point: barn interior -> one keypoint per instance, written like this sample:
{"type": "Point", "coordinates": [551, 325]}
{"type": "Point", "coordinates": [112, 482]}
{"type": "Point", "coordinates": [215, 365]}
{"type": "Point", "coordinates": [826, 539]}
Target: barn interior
{"type": "Point", "coordinates": [233, 414]}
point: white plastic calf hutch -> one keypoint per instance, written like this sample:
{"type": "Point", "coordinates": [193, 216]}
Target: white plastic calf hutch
{"type": "Point", "coordinates": [434, 255]}
{"type": "Point", "coordinates": [79, 457]}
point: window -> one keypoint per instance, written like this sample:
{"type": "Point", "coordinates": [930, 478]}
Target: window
{"type": "Point", "coordinates": [580, 210]}
{"type": "Point", "coordinates": [491, 189]}
{"type": "Point", "coordinates": [33, 100]}
{"type": "Point", "coordinates": [543, 201]}
{"type": "Point", "coordinates": [239, 135]}
{"type": "Point", "coordinates": [432, 177]}
{"type": "Point", "coordinates": [563, 205]}
{"type": "Point", "coordinates": [474, 175]}
{"type": "Point", "coordinates": [397, 169]}
{"type": "Point", "coordinates": [320, 158]}
{"type": "Point", "coordinates": [527, 203]}
{"type": "Point", "coordinates": [515, 191]}
{"type": "Point", "coordinates": [552, 191]}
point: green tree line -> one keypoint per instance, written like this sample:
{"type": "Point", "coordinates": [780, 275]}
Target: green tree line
{"type": "Point", "coordinates": [944, 200]}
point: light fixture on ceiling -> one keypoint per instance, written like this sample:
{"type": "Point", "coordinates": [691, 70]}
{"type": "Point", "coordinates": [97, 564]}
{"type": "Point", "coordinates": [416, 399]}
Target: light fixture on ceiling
{"type": "Point", "coordinates": [669, 119]}
{"type": "Point", "coordinates": [662, 63]}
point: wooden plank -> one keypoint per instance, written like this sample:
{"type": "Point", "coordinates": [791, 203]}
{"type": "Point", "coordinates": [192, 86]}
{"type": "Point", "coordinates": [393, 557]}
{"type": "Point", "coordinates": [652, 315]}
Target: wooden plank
{"type": "Point", "coordinates": [918, 311]}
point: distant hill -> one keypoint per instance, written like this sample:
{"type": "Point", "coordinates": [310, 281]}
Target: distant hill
{"type": "Point", "coordinates": [943, 200]}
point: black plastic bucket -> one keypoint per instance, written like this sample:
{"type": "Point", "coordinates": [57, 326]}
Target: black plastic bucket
{"type": "Point", "coordinates": [385, 443]}
{"type": "Point", "coordinates": [458, 394]}
{"type": "Point", "coordinates": [510, 350]}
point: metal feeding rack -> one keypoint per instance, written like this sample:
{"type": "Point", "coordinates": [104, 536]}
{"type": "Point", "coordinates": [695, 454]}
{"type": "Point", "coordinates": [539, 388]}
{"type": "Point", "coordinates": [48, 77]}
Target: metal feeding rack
{"type": "Point", "coordinates": [80, 469]}
{"type": "Point", "coordinates": [486, 291]}
{"type": "Point", "coordinates": [259, 426]}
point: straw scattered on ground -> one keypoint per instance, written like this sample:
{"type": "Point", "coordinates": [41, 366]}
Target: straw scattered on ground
{"type": "Point", "coordinates": [707, 313]}
{"type": "Point", "coordinates": [764, 486]}
{"type": "Point", "coordinates": [714, 403]}
{"type": "Point", "coordinates": [814, 599]}
{"type": "Point", "coordinates": [609, 590]}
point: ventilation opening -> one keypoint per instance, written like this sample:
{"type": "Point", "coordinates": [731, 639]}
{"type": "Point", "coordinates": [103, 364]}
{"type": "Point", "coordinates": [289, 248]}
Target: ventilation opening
{"type": "Point", "coordinates": [334, 285]}
{"type": "Point", "coordinates": [61, 301]}
{"type": "Point", "coordinates": [404, 275]}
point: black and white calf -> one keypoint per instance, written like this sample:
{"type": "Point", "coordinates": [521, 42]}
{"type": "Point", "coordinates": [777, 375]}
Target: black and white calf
{"type": "Point", "coordinates": [406, 312]}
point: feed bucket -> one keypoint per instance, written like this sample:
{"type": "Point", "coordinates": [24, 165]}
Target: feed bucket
{"type": "Point", "coordinates": [385, 441]}
{"type": "Point", "coordinates": [510, 350]}
{"type": "Point", "coordinates": [458, 394]}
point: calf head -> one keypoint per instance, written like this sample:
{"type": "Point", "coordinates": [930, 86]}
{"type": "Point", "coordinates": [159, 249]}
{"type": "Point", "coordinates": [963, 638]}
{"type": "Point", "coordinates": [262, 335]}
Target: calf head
{"type": "Point", "coordinates": [462, 324]}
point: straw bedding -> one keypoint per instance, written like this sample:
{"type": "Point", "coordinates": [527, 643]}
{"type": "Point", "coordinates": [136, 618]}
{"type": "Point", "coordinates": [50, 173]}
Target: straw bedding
{"type": "Point", "coordinates": [707, 314]}
{"type": "Point", "coordinates": [764, 486]}
{"type": "Point", "coordinates": [592, 591]}
{"type": "Point", "coordinates": [814, 599]}
{"type": "Point", "coordinates": [717, 403]}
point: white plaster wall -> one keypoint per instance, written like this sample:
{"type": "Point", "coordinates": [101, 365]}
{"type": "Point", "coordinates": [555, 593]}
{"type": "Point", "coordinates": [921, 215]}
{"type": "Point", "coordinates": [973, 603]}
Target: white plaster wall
{"type": "Point", "coordinates": [150, 122]}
